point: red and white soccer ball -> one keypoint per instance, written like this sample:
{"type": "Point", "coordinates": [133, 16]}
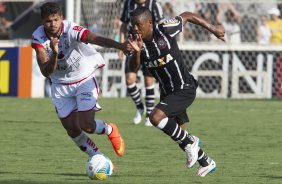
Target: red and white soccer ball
{"type": "Point", "coordinates": [99, 167]}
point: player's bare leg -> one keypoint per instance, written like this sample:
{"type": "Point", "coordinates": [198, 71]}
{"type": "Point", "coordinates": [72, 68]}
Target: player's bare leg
{"type": "Point", "coordinates": [72, 126]}
{"type": "Point", "coordinates": [91, 126]}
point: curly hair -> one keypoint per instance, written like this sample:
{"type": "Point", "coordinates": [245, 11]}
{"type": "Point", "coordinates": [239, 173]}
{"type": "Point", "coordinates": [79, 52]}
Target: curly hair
{"type": "Point", "coordinates": [50, 8]}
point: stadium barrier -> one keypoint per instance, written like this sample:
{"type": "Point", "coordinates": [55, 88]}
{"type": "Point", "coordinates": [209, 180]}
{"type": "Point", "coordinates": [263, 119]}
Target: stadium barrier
{"type": "Point", "coordinates": [15, 71]}
{"type": "Point", "coordinates": [222, 71]}
{"type": "Point", "coordinates": [245, 71]}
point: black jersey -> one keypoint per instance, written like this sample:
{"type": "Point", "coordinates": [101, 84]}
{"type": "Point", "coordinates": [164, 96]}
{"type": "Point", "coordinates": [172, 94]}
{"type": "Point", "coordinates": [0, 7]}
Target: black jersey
{"type": "Point", "coordinates": [163, 59]}
{"type": "Point", "coordinates": [152, 5]}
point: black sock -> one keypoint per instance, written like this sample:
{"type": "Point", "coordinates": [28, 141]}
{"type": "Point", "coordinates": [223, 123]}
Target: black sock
{"type": "Point", "coordinates": [135, 94]}
{"type": "Point", "coordinates": [150, 99]}
{"type": "Point", "coordinates": [177, 134]}
{"type": "Point", "coordinates": [203, 158]}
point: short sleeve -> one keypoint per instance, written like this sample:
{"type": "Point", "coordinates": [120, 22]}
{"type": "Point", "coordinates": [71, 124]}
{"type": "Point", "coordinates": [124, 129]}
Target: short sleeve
{"type": "Point", "coordinates": [172, 26]}
{"type": "Point", "coordinates": [35, 42]}
{"type": "Point", "coordinates": [78, 32]}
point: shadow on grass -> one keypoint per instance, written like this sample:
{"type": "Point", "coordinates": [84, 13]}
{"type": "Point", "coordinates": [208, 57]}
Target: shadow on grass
{"type": "Point", "coordinates": [272, 177]}
{"type": "Point", "coordinates": [37, 173]}
{"type": "Point", "coordinates": [71, 177]}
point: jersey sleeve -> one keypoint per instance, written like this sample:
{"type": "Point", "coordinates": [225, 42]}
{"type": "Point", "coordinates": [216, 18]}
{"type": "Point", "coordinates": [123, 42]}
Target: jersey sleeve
{"type": "Point", "coordinates": [157, 12]}
{"type": "Point", "coordinates": [125, 13]}
{"type": "Point", "coordinates": [172, 26]}
{"type": "Point", "coordinates": [77, 32]}
{"type": "Point", "coordinates": [36, 41]}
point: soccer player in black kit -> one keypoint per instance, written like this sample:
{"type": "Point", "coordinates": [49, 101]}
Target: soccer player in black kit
{"type": "Point", "coordinates": [131, 76]}
{"type": "Point", "coordinates": [156, 47]}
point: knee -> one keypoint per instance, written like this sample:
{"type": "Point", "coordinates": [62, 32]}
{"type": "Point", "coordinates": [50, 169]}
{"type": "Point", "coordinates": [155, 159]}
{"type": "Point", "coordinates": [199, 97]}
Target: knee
{"type": "Point", "coordinates": [155, 120]}
{"type": "Point", "coordinates": [156, 116]}
{"type": "Point", "coordinates": [89, 130]}
{"type": "Point", "coordinates": [149, 81]}
{"type": "Point", "coordinates": [88, 127]}
{"type": "Point", "coordinates": [130, 79]}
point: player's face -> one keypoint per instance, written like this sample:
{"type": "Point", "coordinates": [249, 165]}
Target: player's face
{"type": "Point", "coordinates": [142, 26]}
{"type": "Point", "coordinates": [52, 24]}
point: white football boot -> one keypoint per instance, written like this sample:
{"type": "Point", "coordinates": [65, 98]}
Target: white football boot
{"type": "Point", "coordinates": [148, 122]}
{"type": "Point", "coordinates": [192, 152]}
{"type": "Point", "coordinates": [138, 116]}
{"type": "Point", "coordinates": [203, 171]}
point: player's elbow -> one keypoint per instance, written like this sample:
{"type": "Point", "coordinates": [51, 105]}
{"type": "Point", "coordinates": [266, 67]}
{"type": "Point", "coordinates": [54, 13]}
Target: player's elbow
{"type": "Point", "coordinates": [188, 16]}
{"type": "Point", "coordinates": [45, 72]}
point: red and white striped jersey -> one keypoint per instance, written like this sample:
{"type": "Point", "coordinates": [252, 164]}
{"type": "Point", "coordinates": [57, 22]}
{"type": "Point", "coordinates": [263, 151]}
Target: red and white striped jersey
{"type": "Point", "coordinates": [76, 60]}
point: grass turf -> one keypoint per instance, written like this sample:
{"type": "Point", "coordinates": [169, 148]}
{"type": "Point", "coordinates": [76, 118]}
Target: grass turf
{"type": "Point", "coordinates": [242, 136]}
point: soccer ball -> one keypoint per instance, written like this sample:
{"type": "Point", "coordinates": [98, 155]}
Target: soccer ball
{"type": "Point", "coordinates": [99, 167]}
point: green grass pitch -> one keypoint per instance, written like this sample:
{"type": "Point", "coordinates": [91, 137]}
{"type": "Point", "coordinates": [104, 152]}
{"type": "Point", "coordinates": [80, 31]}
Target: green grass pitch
{"type": "Point", "coordinates": [243, 137]}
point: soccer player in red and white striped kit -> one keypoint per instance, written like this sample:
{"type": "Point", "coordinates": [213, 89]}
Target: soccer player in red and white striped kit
{"type": "Point", "coordinates": [65, 56]}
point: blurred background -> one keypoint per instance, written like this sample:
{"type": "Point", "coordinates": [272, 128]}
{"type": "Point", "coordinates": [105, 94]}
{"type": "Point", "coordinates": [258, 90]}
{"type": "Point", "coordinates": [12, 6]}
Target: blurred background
{"type": "Point", "coordinates": [247, 65]}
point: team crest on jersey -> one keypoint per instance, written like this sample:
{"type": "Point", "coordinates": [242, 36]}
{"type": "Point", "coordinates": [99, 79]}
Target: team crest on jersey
{"type": "Point", "coordinates": [161, 43]}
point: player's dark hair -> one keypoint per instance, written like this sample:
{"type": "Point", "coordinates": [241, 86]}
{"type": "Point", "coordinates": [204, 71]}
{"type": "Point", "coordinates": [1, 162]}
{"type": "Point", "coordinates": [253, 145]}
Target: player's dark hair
{"type": "Point", "coordinates": [50, 8]}
{"type": "Point", "coordinates": [142, 11]}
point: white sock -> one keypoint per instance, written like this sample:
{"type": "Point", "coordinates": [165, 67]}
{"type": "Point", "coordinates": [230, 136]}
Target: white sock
{"type": "Point", "coordinates": [102, 127]}
{"type": "Point", "coordinates": [163, 123]}
{"type": "Point", "coordinates": [86, 144]}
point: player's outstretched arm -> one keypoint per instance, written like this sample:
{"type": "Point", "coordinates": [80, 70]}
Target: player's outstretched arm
{"type": "Point", "coordinates": [106, 42]}
{"type": "Point", "coordinates": [217, 30]}
{"type": "Point", "coordinates": [122, 33]}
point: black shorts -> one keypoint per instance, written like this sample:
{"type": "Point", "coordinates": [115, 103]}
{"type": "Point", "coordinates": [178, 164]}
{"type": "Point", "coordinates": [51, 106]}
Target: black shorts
{"type": "Point", "coordinates": [144, 69]}
{"type": "Point", "coordinates": [174, 105]}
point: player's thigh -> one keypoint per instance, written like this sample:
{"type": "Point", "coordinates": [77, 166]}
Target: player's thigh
{"type": "Point", "coordinates": [130, 75]}
{"type": "Point", "coordinates": [177, 102]}
{"type": "Point", "coordinates": [127, 68]}
{"type": "Point", "coordinates": [86, 97]}
{"type": "Point", "coordinates": [63, 99]}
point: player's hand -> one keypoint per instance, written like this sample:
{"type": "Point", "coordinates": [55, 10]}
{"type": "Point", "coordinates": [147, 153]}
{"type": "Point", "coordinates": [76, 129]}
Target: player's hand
{"type": "Point", "coordinates": [219, 32]}
{"type": "Point", "coordinates": [136, 42]}
{"type": "Point", "coordinates": [54, 44]}
{"type": "Point", "coordinates": [126, 47]}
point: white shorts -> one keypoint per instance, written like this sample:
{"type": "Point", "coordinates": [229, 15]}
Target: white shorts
{"type": "Point", "coordinates": [77, 97]}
